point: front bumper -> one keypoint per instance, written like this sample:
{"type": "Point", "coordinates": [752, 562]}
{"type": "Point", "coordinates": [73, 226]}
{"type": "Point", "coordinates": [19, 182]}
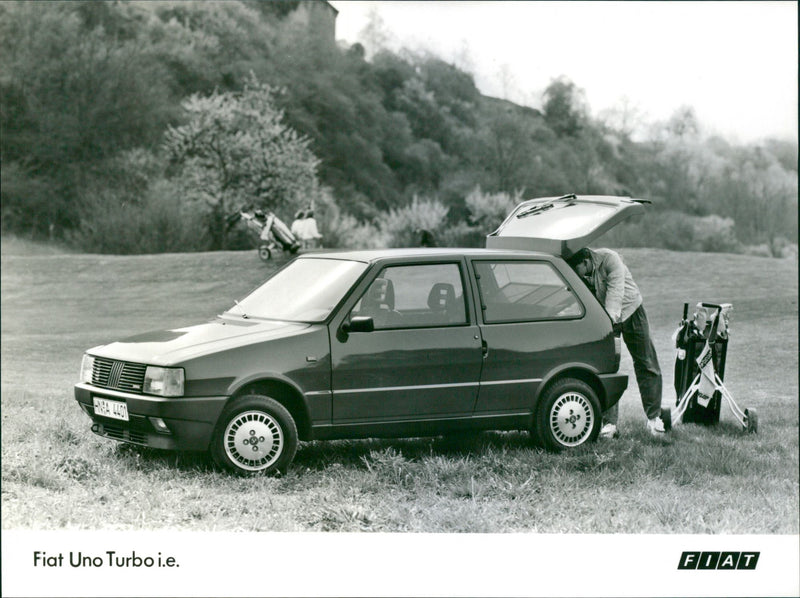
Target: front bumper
{"type": "Point", "coordinates": [190, 420]}
{"type": "Point", "coordinates": [613, 387]}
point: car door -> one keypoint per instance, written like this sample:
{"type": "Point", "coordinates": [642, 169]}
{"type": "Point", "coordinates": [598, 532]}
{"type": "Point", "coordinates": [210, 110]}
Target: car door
{"type": "Point", "coordinates": [532, 323]}
{"type": "Point", "coordinates": [423, 358]}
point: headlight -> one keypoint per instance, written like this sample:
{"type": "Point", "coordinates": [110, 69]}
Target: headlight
{"type": "Point", "coordinates": [165, 382]}
{"type": "Point", "coordinates": [87, 366]}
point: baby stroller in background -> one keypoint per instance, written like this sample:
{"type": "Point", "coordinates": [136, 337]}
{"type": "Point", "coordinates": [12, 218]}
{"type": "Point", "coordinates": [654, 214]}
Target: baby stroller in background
{"type": "Point", "coordinates": [702, 346]}
{"type": "Point", "coordinates": [271, 231]}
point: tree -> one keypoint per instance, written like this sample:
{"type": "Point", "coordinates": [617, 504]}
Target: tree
{"type": "Point", "coordinates": [77, 86]}
{"type": "Point", "coordinates": [506, 150]}
{"type": "Point", "coordinates": [235, 150]}
{"type": "Point", "coordinates": [564, 107]}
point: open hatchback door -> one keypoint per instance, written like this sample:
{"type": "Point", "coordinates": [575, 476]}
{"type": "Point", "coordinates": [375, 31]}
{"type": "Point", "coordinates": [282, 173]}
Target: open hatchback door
{"type": "Point", "coordinates": [562, 225]}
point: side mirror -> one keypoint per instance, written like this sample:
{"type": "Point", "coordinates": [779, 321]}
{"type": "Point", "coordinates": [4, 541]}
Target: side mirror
{"type": "Point", "coordinates": [359, 324]}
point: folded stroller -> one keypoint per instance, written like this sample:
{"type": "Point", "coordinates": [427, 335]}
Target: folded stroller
{"type": "Point", "coordinates": [271, 232]}
{"type": "Point", "coordinates": [702, 346]}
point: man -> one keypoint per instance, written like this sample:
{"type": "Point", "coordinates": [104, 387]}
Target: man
{"type": "Point", "coordinates": [611, 282]}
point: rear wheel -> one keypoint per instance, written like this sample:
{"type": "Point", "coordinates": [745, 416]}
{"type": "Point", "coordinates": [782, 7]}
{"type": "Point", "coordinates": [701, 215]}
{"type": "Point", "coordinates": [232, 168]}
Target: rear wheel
{"type": "Point", "coordinates": [568, 415]}
{"type": "Point", "coordinates": [254, 434]}
{"type": "Point", "coordinates": [264, 253]}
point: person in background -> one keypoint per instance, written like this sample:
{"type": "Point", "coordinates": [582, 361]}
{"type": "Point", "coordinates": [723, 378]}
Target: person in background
{"type": "Point", "coordinates": [426, 238]}
{"type": "Point", "coordinates": [310, 236]}
{"type": "Point", "coordinates": [297, 224]}
{"type": "Point", "coordinates": [611, 282]}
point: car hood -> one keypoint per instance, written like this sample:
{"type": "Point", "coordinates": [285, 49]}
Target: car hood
{"type": "Point", "coordinates": [169, 347]}
{"type": "Point", "coordinates": [562, 225]}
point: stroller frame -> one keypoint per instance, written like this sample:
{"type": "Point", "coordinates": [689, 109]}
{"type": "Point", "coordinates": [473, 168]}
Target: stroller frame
{"type": "Point", "coordinates": [747, 418]}
{"type": "Point", "coordinates": [271, 231]}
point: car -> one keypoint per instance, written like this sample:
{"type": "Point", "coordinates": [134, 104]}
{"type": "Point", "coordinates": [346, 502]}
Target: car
{"type": "Point", "coordinates": [380, 343]}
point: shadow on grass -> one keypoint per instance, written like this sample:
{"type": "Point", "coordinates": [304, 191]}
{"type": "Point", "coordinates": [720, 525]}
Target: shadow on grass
{"type": "Point", "coordinates": [146, 459]}
{"type": "Point", "coordinates": [319, 455]}
{"type": "Point", "coordinates": [322, 454]}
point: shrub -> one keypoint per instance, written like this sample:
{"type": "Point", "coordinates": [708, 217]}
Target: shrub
{"type": "Point", "coordinates": [343, 230]}
{"type": "Point", "coordinates": [676, 231]}
{"type": "Point", "coordinates": [463, 234]}
{"type": "Point", "coordinates": [757, 250]}
{"type": "Point", "coordinates": [160, 222]}
{"type": "Point", "coordinates": [714, 234]}
{"type": "Point", "coordinates": [400, 226]}
{"type": "Point", "coordinates": [488, 210]}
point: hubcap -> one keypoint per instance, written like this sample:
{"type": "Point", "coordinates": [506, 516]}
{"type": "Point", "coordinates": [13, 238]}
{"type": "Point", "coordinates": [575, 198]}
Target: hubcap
{"type": "Point", "coordinates": [253, 440]}
{"type": "Point", "coordinates": [571, 419]}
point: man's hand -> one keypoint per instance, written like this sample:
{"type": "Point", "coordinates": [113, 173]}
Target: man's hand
{"type": "Point", "coordinates": [617, 326]}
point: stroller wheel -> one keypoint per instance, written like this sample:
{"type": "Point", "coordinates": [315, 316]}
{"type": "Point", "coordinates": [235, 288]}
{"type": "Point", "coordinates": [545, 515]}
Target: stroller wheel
{"type": "Point", "coordinates": [264, 253]}
{"type": "Point", "coordinates": [751, 421]}
{"type": "Point", "coordinates": [666, 417]}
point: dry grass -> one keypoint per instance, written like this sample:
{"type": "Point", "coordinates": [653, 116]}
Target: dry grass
{"type": "Point", "coordinates": [57, 475]}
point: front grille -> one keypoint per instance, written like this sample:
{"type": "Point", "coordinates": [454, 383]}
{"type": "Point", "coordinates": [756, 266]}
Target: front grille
{"type": "Point", "coordinates": [118, 375]}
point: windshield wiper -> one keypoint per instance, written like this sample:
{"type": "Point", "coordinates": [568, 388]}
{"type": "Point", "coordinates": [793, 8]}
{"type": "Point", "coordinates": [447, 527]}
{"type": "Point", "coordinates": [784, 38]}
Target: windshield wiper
{"type": "Point", "coordinates": [546, 206]}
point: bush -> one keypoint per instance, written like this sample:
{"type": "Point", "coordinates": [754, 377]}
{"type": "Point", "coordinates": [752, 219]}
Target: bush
{"type": "Point", "coordinates": [676, 231]}
{"type": "Point", "coordinates": [488, 210]}
{"type": "Point", "coordinates": [31, 204]}
{"type": "Point", "coordinates": [343, 230]}
{"type": "Point", "coordinates": [715, 234]}
{"type": "Point", "coordinates": [160, 222]}
{"type": "Point", "coordinates": [399, 227]}
{"type": "Point", "coordinates": [463, 235]}
{"type": "Point", "coordinates": [757, 250]}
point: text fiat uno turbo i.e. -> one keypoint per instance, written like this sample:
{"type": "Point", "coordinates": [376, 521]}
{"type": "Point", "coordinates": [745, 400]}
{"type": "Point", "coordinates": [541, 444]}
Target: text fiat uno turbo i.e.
{"type": "Point", "coordinates": [392, 343]}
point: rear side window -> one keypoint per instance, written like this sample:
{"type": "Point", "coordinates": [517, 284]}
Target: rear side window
{"type": "Point", "coordinates": [521, 291]}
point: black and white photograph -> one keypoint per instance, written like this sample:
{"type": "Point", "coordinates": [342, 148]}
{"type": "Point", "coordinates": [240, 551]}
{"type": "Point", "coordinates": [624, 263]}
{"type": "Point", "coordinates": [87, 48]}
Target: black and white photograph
{"type": "Point", "coordinates": [399, 298]}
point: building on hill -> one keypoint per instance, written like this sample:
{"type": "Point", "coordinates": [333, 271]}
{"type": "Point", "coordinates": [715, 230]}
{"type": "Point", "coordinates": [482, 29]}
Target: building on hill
{"type": "Point", "coordinates": [318, 17]}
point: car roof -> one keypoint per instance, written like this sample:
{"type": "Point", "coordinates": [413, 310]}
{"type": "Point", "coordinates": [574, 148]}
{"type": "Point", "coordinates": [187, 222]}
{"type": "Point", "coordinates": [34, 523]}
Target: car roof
{"type": "Point", "coordinates": [372, 255]}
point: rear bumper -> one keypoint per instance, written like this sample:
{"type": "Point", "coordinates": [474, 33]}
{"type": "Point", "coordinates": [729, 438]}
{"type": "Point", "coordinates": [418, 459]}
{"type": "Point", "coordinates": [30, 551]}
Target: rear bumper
{"type": "Point", "coordinates": [613, 387]}
{"type": "Point", "coordinates": [190, 420]}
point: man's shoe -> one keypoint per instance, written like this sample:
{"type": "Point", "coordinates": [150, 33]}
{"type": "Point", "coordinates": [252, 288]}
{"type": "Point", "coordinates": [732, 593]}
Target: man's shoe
{"type": "Point", "coordinates": [655, 426]}
{"type": "Point", "coordinates": [609, 431]}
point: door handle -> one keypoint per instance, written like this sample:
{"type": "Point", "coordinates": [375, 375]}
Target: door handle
{"type": "Point", "coordinates": [485, 349]}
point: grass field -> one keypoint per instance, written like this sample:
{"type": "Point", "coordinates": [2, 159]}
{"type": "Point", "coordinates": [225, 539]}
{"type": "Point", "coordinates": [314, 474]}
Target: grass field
{"type": "Point", "coordinates": [57, 475]}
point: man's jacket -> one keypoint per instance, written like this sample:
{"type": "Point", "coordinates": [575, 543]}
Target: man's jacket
{"type": "Point", "coordinates": [614, 285]}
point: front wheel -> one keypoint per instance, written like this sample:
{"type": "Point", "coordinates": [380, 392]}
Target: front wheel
{"type": "Point", "coordinates": [254, 434]}
{"type": "Point", "coordinates": [568, 415]}
{"type": "Point", "coordinates": [264, 253]}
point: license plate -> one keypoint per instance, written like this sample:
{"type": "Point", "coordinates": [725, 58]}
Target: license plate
{"type": "Point", "coordinates": [112, 409]}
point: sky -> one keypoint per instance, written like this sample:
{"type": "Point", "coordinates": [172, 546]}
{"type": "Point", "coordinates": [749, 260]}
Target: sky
{"type": "Point", "coordinates": [735, 63]}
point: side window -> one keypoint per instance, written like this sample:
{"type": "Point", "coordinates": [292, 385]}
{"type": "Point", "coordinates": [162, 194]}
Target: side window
{"type": "Point", "coordinates": [517, 291]}
{"type": "Point", "coordinates": [418, 296]}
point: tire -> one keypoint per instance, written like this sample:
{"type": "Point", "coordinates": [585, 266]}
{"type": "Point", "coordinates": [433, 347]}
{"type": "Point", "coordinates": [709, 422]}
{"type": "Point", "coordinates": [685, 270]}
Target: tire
{"type": "Point", "coordinates": [254, 434]}
{"type": "Point", "coordinates": [666, 417]}
{"type": "Point", "coordinates": [751, 421]}
{"type": "Point", "coordinates": [264, 253]}
{"type": "Point", "coordinates": [568, 415]}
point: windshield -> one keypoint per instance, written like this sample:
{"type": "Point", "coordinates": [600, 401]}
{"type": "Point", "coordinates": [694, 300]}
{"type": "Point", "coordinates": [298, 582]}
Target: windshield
{"type": "Point", "coordinates": [306, 290]}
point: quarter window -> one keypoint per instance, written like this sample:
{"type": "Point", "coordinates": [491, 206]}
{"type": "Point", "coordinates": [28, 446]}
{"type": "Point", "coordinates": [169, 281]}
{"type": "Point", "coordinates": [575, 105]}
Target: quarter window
{"type": "Point", "coordinates": [516, 291]}
{"type": "Point", "coordinates": [424, 295]}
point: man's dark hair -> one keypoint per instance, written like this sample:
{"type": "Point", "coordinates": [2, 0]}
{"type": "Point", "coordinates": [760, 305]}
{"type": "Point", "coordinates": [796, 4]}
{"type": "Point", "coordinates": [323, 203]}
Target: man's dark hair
{"type": "Point", "coordinates": [577, 257]}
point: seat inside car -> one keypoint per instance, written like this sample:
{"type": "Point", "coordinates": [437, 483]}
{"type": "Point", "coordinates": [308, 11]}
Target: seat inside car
{"type": "Point", "coordinates": [442, 302]}
{"type": "Point", "coordinates": [378, 302]}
